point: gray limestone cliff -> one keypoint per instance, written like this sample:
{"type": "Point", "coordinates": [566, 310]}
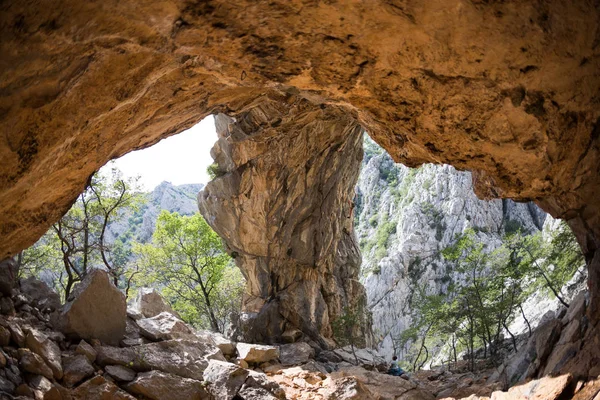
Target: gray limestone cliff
{"type": "Point", "coordinates": [139, 225]}
{"type": "Point", "coordinates": [405, 217]}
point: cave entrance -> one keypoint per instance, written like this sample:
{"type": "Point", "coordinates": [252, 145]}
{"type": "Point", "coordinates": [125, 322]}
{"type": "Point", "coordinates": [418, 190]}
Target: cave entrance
{"type": "Point", "coordinates": [407, 219]}
{"type": "Point", "coordinates": [138, 220]}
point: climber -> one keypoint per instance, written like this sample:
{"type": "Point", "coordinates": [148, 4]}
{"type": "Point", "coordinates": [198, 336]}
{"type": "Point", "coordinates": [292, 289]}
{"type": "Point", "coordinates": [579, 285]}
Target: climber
{"type": "Point", "coordinates": [395, 369]}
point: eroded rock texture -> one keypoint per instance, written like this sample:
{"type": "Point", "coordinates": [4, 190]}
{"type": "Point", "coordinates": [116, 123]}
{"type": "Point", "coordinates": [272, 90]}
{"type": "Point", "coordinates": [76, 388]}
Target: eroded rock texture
{"type": "Point", "coordinates": [507, 89]}
{"type": "Point", "coordinates": [283, 204]}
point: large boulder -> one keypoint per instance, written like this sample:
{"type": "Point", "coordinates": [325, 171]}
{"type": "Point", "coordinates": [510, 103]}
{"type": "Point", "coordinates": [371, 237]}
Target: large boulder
{"type": "Point", "coordinates": [163, 326]}
{"type": "Point", "coordinates": [546, 388]}
{"type": "Point", "coordinates": [255, 353]}
{"type": "Point", "coordinates": [149, 303]}
{"type": "Point", "coordinates": [158, 385]}
{"type": "Point", "coordinates": [9, 270]}
{"type": "Point", "coordinates": [96, 310]}
{"type": "Point", "coordinates": [186, 358]}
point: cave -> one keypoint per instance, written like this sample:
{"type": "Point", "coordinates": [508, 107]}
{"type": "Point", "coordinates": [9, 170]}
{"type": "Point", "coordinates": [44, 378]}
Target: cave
{"type": "Point", "coordinates": [507, 90]}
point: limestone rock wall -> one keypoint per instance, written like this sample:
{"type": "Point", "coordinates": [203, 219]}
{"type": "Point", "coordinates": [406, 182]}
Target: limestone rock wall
{"type": "Point", "coordinates": [506, 89]}
{"type": "Point", "coordinates": [283, 205]}
{"type": "Point", "coordinates": [405, 218]}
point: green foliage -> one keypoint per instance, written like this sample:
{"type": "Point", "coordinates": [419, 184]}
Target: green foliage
{"type": "Point", "coordinates": [476, 311]}
{"type": "Point", "coordinates": [373, 220]}
{"type": "Point", "coordinates": [78, 242]}
{"type": "Point", "coordinates": [213, 171]}
{"type": "Point", "coordinates": [370, 148]}
{"type": "Point", "coordinates": [383, 234]}
{"type": "Point", "coordinates": [512, 227]}
{"type": "Point", "coordinates": [187, 261]}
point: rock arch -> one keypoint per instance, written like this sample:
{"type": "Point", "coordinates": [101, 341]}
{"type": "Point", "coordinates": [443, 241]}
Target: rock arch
{"type": "Point", "coordinates": [507, 89]}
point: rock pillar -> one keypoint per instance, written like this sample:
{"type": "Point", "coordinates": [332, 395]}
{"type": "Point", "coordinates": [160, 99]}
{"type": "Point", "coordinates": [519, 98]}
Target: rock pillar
{"type": "Point", "coordinates": [283, 204]}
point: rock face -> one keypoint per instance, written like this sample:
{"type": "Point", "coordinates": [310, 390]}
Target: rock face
{"type": "Point", "coordinates": [96, 310]}
{"type": "Point", "coordinates": [288, 220]}
{"type": "Point", "coordinates": [406, 217]}
{"type": "Point", "coordinates": [506, 89]}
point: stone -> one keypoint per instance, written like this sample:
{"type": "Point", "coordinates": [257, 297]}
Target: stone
{"type": "Point", "coordinates": [7, 306]}
{"type": "Point", "coordinates": [157, 385]}
{"type": "Point", "coordinates": [40, 344]}
{"type": "Point", "coordinates": [98, 388]}
{"type": "Point", "coordinates": [561, 354]}
{"type": "Point", "coordinates": [350, 389]}
{"type": "Point", "coordinates": [571, 332]}
{"type": "Point", "coordinates": [291, 335]}
{"type": "Point", "coordinates": [6, 385]}
{"type": "Point", "coordinates": [311, 229]}
{"type": "Point", "coordinates": [76, 369]}
{"type": "Point", "coordinates": [149, 303]}
{"type": "Point", "coordinates": [577, 308]}
{"type": "Point", "coordinates": [41, 383]}
{"type": "Point", "coordinates": [546, 388]}
{"type": "Point", "coordinates": [120, 373]}
{"type": "Point", "coordinates": [254, 353]}
{"type": "Point", "coordinates": [217, 339]}
{"type": "Point", "coordinates": [255, 393]}
{"type": "Point", "coordinates": [88, 318]}
{"type": "Point", "coordinates": [4, 336]}
{"type": "Point", "coordinates": [185, 358]}
{"type": "Point", "coordinates": [366, 357]}
{"type": "Point", "coordinates": [512, 157]}
{"type": "Point", "coordinates": [225, 379]}
{"type": "Point", "coordinates": [163, 326]}
{"type": "Point", "coordinates": [34, 364]}
{"type": "Point", "coordinates": [87, 350]}
{"type": "Point", "coordinates": [383, 385]}
{"type": "Point", "coordinates": [295, 353]}
{"type": "Point", "coordinates": [24, 390]}
{"type": "Point", "coordinates": [9, 269]}
{"type": "Point", "coordinates": [42, 297]}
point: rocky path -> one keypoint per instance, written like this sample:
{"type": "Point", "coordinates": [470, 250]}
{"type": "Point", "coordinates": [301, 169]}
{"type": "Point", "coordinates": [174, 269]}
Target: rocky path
{"type": "Point", "coordinates": [52, 352]}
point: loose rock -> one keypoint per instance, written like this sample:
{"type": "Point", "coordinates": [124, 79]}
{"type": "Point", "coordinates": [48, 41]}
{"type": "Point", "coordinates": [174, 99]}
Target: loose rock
{"type": "Point", "coordinates": [120, 373]}
{"type": "Point", "coordinates": [96, 310]}
{"type": "Point", "coordinates": [149, 303]}
{"type": "Point", "coordinates": [40, 344]}
{"type": "Point", "coordinates": [295, 353]}
{"type": "Point", "coordinates": [77, 368]}
{"type": "Point", "coordinates": [254, 353]}
{"type": "Point", "coordinates": [164, 326]}
{"type": "Point", "coordinates": [157, 385]}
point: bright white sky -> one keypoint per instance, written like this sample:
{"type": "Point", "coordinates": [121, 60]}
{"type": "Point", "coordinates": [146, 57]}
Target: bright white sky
{"type": "Point", "coordinates": [178, 159]}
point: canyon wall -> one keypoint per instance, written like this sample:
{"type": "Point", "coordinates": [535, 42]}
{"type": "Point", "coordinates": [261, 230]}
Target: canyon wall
{"type": "Point", "coordinates": [282, 202]}
{"type": "Point", "coordinates": [506, 89]}
{"type": "Point", "coordinates": [405, 219]}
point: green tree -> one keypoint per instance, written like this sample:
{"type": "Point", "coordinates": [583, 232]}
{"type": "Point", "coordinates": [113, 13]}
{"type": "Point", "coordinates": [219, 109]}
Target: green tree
{"type": "Point", "coordinates": [186, 260]}
{"type": "Point", "coordinates": [78, 241]}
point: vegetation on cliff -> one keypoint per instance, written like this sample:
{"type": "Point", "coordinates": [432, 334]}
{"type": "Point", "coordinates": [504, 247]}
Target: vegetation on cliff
{"type": "Point", "coordinates": [476, 312]}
